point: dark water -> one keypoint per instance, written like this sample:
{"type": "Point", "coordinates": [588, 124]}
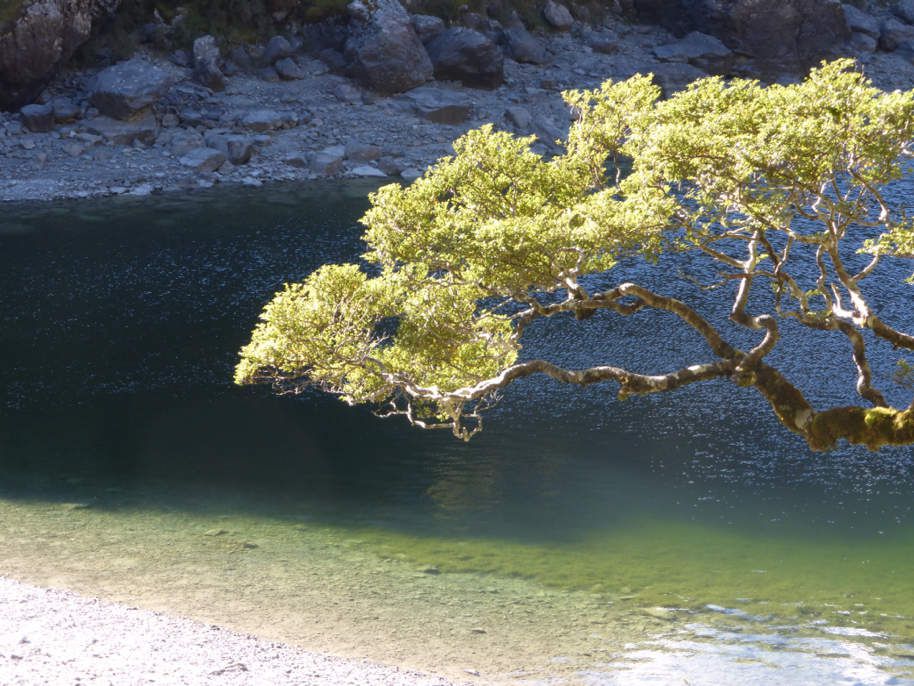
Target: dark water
{"type": "Point", "coordinates": [120, 323]}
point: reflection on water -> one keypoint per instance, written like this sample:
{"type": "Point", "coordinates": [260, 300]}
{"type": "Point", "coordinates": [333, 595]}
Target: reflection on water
{"type": "Point", "coordinates": [679, 537]}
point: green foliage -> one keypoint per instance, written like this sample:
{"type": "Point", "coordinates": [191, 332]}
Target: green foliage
{"type": "Point", "coordinates": [494, 235]}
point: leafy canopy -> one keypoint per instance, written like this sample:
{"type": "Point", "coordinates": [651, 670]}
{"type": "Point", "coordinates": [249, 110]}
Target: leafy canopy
{"type": "Point", "coordinates": [756, 179]}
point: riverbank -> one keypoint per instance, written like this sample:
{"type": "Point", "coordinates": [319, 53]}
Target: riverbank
{"type": "Point", "coordinates": [313, 122]}
{"type": "Point", "coordinates": [50, 636]}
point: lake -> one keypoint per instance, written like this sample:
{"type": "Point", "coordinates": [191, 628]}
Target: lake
{"type": "Point", "coordinates": [681, 538]}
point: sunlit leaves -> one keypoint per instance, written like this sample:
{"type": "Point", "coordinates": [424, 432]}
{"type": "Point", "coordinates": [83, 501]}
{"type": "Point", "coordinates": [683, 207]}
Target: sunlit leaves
{"type": "Point", "coordinates": [495, 228]}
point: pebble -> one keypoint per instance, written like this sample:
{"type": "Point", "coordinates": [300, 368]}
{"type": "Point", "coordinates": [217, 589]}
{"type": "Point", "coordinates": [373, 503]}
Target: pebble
{"type": "Point", "coordinates": [116, 644]}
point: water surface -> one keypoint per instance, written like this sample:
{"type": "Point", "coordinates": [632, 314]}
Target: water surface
{"type": "Point", "coordinates": [577, 540]}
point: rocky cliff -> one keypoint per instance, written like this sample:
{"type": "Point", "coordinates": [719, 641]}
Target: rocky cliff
{"type": "Point", "coordinates": [37, 37]}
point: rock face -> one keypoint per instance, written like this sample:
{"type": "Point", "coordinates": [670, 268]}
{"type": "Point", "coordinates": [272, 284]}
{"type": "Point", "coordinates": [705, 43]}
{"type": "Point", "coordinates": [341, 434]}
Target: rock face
{"type": "Point", "coordinates": [126, 89]}
{"type": "Point", "coordinates": [465, 55]}
{"type": "Point", "coordinates": [38, 39]}
{"type": "Point", "coordinates": [383, 51]}
{"type": "Point", "coordinates": [777, 33]}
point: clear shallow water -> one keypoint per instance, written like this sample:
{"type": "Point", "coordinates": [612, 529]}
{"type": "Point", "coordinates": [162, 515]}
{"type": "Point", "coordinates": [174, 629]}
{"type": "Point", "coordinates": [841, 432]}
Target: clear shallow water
{"type": "Point", "coordinates": [685, 536]}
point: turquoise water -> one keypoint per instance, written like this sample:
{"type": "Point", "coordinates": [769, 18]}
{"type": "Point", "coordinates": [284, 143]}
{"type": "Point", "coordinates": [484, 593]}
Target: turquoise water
{"type": "Point", "coordinates": [685, 537]}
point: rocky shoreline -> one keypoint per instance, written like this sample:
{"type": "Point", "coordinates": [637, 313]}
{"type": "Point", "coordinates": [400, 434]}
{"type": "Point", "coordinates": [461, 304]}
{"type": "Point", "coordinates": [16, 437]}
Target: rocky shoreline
{"type": "Point", "coordinates": [294, 108]}
{"type": "Point", "coordinates": [50, 636]}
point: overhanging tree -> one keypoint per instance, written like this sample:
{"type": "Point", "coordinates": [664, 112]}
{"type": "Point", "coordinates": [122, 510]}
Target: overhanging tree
{"type": "Point", "coordinates": [767, 183]}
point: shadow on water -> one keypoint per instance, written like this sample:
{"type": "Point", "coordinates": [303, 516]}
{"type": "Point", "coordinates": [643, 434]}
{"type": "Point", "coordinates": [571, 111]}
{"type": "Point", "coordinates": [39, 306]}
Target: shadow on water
{"type": "Point", "coordinates": [120, 324]}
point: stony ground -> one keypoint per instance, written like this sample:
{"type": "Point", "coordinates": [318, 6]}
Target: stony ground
{"type": "Point", "coordinates": [324, 125]}
{"type": "Point", "coordinates": [50, 637]}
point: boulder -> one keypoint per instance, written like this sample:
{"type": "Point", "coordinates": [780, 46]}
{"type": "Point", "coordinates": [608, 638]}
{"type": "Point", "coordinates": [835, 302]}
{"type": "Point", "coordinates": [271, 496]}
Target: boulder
{"type": "Point", "coordinates": [465, 55]}
{"type": "Point", "coordinates": [894, 34]}
{"type": "Point", "coordinates": [277, 48]}
{"type": "Point", "coordinates": [344, 91]}
{"type": "Point", "coordinates": [383, 51]}
{"type": "Point", "coordinates": [361, 152]}
{"type": "Point", "coordinates": [203, 159]}
{"type": "Point", "coordinates": [862, 43]}
{"type": "Point", "coordinates": [557, 16]}
{"type": "Point", "coordinates": [127, 89]}
{"type": "Point", "coordinates": [777, 34]}
{"type": "Point", "coordinates": [490, 28]}
{"type": "Point", "coordinates": [241, 59]}
{"type": "Point", "coordinates": [329, 161]}
{"type": "Point", "coordinates": [37, 118]}
{"type": "Point", "coordinates": [182, 141]}
{"type": "Point", "coordinates": [368, 171]}
{"type": "Point", "coordinates": [520, 118]}
{"type": "Point", "coordinates": [143, 130]}
{"type": "Point", "coordinates": [427, 26]}
{"type": "Point", "coordinates": [694, 45]}
{"type": "Point", "coordinates": [859, 21]}
{"type": "Point", "coordinates": [239, 149]}
{"type": "Point", "coordinates": [674, 76]}
{"type": "Point", "coordinates": [288, 69]}
{"type": "Point", "coordinates": [605, 42]}
{"type": "Point", "coordinates": [267, 120]}
{"type": "Point", "coordinates": [439, 105]}
{"type": "Point", "coordinates": [206, 63]}
{"type": "Point", "coordinates": [521, 46]}
{"type": "Point", "coordinates": [699, 49]}
{"type": "Point", "coordinates": [39, 36]}
{"type": "Point", "coordinates": [65, 110]}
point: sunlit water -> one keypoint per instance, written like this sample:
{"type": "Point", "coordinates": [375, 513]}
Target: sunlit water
{"type": "Point", "coordinates": [684, 538]}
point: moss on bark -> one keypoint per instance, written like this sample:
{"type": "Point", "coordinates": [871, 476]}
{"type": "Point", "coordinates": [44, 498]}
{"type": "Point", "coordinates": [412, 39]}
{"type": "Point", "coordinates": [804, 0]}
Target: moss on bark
{"type": "Point", "coordinates": [873, 427]}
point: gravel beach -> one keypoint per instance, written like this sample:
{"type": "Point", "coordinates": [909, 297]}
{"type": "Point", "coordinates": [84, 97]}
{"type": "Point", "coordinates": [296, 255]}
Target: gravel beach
{"type": "Point", "coordinates": [51, 637]}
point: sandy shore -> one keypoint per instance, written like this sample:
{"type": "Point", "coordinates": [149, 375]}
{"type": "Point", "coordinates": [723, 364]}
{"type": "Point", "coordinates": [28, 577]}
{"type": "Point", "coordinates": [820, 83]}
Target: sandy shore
{"type": "Point", "coordinates": [50, 637]}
